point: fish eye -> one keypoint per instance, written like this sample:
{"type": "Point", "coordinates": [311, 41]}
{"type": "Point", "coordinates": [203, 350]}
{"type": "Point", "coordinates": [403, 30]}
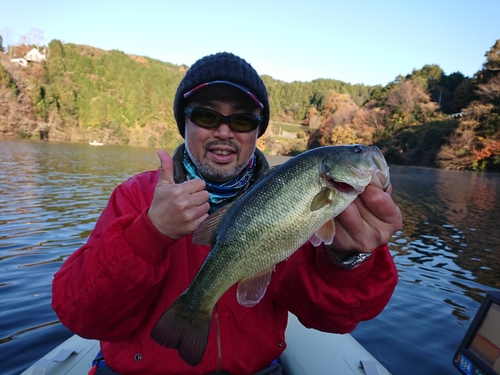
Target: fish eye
{"type": "Point", "coordinates": [358, 149]}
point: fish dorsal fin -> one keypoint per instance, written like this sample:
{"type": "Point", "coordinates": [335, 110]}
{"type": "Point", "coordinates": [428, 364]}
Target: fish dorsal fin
{"type": "Point", "coordinates": [324, 234]}
{"type": "Point", "coordinates": [250, 291]}
{"type": "Point", "coordinates": [204, 234]}
{"type": "Point", "coordinates": [321, 199]}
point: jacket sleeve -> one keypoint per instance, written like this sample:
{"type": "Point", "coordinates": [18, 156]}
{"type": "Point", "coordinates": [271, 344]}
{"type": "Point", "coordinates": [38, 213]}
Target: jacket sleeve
{"type": "Point", "coordinates": [329, 298]}
{"type": "Point", "coordinates": [107, 287]}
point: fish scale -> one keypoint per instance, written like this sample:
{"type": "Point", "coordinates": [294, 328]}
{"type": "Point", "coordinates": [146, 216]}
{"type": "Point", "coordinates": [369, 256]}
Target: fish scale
{"type": "Point", "coordinates": [260, 229]}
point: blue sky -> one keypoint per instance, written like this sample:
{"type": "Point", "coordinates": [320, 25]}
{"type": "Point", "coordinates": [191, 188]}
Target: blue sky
{"type": "Point", "coordinates": [356, 41]}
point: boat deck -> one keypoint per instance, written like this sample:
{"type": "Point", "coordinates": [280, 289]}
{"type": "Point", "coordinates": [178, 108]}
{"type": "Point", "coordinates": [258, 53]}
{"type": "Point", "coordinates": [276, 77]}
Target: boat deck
{"type": "Point", "coordinates": [309, 352]}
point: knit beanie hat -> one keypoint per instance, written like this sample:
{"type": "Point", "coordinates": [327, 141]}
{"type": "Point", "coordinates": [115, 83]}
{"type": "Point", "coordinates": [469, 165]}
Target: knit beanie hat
{"type": "Point", "coordinates": [221, 68]}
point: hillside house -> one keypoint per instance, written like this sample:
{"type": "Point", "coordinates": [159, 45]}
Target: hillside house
{"type": "Point", "coordinates": [32, 55]}
{"type": "Point", "coordinates": [35, 55]}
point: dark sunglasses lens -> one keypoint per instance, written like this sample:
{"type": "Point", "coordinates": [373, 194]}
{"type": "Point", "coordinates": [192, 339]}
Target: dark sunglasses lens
{"type": "Point", "coordinates": [205, 118]}
{"type": "Point", "coordinates": [243, 122]}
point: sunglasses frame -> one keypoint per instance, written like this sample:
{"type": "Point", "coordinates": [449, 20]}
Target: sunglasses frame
{"type": "Point", "coordinates": [188, 111]}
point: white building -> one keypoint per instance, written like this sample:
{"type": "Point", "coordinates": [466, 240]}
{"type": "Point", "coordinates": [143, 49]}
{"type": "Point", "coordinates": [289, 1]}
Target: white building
{"type": "Point", "coordinates": [21, 61]}
{"type": "Point", "coordinates": [33, 55]}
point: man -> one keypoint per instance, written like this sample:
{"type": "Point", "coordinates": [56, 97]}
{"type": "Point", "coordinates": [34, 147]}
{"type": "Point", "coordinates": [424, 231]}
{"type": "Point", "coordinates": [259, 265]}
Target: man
{"type": "Point", "coordinates": [140, 256]}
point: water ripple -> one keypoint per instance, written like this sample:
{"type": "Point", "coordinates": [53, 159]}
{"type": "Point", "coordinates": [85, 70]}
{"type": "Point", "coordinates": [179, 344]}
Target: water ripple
{"type": "Point", "coordinates": [50, 198]}
{"type": "Point", "coordinates": [51, 195]}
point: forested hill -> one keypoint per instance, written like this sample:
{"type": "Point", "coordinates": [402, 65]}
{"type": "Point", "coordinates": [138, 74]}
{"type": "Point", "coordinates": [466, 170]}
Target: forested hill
{"type": "Point", "coordinates": [83, 93]}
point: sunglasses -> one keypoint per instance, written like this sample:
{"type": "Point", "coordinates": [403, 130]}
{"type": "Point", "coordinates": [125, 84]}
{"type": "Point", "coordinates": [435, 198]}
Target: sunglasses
{"type": "Point", "coordinates": [210, 119]}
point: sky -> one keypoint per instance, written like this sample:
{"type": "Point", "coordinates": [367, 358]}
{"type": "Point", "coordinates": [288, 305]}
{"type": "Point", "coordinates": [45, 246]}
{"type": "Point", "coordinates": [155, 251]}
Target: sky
{"type": "Point", "coordinates": [357, 41]}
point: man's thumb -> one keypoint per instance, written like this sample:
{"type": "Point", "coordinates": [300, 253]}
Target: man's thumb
{"type": "Point", "coordinates": [166, 168]}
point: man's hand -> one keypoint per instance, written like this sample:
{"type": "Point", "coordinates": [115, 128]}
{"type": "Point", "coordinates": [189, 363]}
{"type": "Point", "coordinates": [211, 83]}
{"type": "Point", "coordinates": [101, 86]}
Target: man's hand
{"type": "Point", "coordinates": [177, 209]}
{"type": "Point", "coordinates": [368, 222]}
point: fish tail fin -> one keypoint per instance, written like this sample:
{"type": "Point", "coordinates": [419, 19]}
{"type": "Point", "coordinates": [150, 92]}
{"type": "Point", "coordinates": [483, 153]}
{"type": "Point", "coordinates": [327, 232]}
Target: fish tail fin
{"type": "Point", "coordinates": [183, 329]}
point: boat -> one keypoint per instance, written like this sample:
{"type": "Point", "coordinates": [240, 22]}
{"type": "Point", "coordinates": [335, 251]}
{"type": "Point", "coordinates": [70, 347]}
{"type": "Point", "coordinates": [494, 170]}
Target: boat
{"type": "Point", "coordinates": [95, 143]}
{"type": "Point", "coordinates": [308, 352]}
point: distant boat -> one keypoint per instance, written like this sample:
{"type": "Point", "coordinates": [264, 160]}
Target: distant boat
{"type": "Point", "coordinates": [95, 143]}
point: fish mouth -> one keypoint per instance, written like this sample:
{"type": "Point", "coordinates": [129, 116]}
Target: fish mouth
{"type": "Point", "coordinates": [341, 186]}
{"type": "Point", "coordinates": [381, 177]}
{"type": "Point", "coordinates": [375, 173]}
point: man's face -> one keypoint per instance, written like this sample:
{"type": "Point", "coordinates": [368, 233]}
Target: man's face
{"type": "Point", "coordinates": [220, 154]}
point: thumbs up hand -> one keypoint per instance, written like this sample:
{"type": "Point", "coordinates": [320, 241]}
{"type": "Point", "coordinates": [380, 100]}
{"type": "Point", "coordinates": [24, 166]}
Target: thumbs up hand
{"type": "Point", "coordinates": [177, 209]}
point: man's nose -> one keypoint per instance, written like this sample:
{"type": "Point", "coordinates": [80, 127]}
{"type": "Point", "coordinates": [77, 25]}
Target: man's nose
{"type": "Point", "coordinates": [223, 131]}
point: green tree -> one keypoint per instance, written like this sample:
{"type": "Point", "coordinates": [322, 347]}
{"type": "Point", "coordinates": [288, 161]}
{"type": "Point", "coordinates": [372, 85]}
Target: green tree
{"type": "Point", "coordinates": [491, 66]}
{"type": "Point", "coordinates": [7, 81]}
{"type": "Point", "coordinates": [493, 58]}
{"type": "Point", "coordinates": [430, 73]}
{"type": "Point", "coordinates": [444, 92]}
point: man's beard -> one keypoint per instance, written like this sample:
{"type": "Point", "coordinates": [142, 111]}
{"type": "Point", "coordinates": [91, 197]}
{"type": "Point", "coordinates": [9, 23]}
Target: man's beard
{"type": "Point", "coordinates": [211, 173]}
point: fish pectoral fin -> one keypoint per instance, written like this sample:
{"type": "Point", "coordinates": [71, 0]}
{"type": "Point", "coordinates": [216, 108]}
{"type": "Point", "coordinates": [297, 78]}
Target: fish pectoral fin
{"type": "Point", "coordinates": [204, 234]}
{"type": "Point", "coordinates": [250, 291]}
{"type": "Point", "coordinates": [321, 199]}
{"type": "Point", "coordinates": [324, 234]}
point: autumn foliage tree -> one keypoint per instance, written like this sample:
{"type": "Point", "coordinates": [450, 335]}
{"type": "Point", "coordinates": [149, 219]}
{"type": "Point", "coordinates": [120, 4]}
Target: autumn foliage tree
{"type": "Point", "coordinates": [409, 102]}
{"type": "Point", "coordinates": [345, 123]}
{"type": "Point", "coordinates": [476, 142]}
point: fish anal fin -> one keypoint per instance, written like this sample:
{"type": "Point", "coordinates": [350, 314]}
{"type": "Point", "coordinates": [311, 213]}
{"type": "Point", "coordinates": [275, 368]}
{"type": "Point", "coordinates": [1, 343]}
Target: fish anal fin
{"type": "Point", "coordinates": [321, 199]}
{"type": "Point", "coordinates": [315, 240]}
{"type": "Point", "coordinates": [204, 234]}
{"type": "Point", "coordinates": [250, 291]}
{"type": "Point", "coordinates": [184, 331]}
{"type": "Point", "coordinates": [324, 234]}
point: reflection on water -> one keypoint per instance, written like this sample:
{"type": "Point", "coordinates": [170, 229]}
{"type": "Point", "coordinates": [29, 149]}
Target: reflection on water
{"type": "Point", "coordinates": [451, 220]}
{"type": "Point", "coordinates": [51, 194]}
{"type": "Point", "coordinates": [447, 256]}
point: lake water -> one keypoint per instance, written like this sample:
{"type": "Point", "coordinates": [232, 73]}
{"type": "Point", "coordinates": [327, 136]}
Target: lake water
{"type": "Point", "coordinates": [447, 254]}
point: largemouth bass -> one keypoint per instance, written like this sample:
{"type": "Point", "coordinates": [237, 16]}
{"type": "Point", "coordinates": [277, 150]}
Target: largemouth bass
{"type": "Point", "coordinates": [295, 202]}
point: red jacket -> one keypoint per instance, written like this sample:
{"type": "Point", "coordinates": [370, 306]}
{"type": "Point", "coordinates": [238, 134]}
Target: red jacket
{"type": "Point", "coordinates": [116, 286]}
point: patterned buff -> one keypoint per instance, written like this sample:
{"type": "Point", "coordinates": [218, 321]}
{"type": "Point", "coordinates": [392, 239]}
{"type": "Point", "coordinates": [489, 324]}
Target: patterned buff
{"type": "Point", "coordinates": [221, 194]}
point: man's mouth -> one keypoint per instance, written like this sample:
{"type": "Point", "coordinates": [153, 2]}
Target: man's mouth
{"type": "Point", "coordinates": [222, 155]}
{"type": "Point", "coordinates": [222, 152]}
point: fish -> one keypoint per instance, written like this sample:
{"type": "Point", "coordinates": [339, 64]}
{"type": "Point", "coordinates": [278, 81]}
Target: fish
{"type": "Point", "coordinates": [295, 202]}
